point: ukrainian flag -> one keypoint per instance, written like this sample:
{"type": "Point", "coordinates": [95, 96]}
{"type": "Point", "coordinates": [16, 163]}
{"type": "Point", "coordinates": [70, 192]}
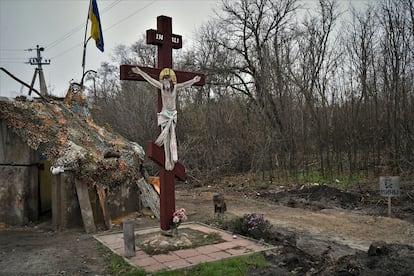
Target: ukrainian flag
{"type": "Point", "coordinates": [96, 29]}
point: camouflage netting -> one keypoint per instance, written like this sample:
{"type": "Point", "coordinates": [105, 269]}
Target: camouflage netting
{"type": "Point", "coordinates": [64, 133]}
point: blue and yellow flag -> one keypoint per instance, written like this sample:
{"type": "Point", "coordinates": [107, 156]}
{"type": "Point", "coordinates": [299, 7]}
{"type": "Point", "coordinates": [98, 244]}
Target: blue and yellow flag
{"type": "Point", "coordinates": [96, 29]}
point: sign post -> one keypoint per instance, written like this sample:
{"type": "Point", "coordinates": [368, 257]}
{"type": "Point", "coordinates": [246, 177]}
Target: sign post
{"type": "Point", "coordinates": [389, 187]}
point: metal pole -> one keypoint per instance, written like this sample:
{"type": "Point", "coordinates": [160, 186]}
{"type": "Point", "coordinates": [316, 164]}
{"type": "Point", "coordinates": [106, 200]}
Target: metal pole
{"type": "Point", "coordinates": [389, 206]}
{"type": "Point", "coordinates": [85, 42]}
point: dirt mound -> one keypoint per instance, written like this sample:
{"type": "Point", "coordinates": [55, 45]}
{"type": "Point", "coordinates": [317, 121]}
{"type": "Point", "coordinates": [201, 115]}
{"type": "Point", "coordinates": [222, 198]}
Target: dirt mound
{"type": "Point", "coordinates": [381, 259]}
{"type": "Point", "coordinates": [290, 260]}
{"type": "Point", "coordinates": [316, 197]}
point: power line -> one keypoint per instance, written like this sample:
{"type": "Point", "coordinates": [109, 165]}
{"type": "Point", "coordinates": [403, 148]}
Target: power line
{"type": "Point", "coordinates": [67, 50]}
{"type": "Point", "coordinates": [77, 28]}
{"type": "Point", "coordinates": [111, 6]}
{"type": "Point", "coordinates": [64, 37]}
{"type": "Point", "coordinates": [13, 62]}
{"type": "Point", "coordinates": [12, 50]}
{"type": "Point", "coordinates": [11, 58]}
{"type": "Point", "coordinates": [106, 29]}
{"type": "Point", "coordinates": [132, 14]}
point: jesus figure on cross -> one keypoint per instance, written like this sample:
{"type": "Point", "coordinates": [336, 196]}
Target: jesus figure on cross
{"type": "Point", "coordinates": [167, 118]}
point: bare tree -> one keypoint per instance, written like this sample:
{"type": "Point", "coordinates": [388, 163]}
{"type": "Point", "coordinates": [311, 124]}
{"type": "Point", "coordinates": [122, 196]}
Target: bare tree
{"type": "Point", "coordinates": [397, 62]}
{"type": "Point", "coordinates": [361, 95]}
{"type": "Point", "coordinates": [315, 64]}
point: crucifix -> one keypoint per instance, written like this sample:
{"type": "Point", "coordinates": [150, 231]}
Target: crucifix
{"type": "Point", "coordinates": [165, 41]}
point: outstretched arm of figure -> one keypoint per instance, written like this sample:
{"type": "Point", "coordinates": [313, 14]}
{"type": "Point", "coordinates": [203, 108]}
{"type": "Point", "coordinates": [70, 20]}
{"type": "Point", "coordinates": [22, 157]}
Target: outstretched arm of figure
{"type": "Point", "coordinates": [147, 77]}
{"type": "Point", "coordinates": [188, 83]}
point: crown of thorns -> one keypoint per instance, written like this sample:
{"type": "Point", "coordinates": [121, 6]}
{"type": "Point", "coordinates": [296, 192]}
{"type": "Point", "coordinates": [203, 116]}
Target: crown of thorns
{"type": "Point", "coordinates": [169, 72]}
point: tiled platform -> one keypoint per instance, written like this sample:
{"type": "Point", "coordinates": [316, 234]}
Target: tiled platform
{"type": "Point", "coordinates": [231, 247]}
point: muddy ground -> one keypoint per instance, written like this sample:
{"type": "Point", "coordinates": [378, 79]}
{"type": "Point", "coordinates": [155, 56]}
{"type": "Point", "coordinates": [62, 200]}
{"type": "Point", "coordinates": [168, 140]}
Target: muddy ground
{"type": "Point", "coordinates": [319, 230]}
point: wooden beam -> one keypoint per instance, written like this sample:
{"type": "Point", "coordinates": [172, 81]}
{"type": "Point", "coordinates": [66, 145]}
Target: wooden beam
{"type": "Point", "coordinates": [104, 206]}
{"type": "Point", "coordinates": [182, 76]}
{"type": "Point", "coordinates": [156, 153]}
{"type": "Point", "coordinates": [56, 201]}
{"type": "Point", "coordinates": [85, 206]}
{"type": "Point", "coordinates": [149, 196]}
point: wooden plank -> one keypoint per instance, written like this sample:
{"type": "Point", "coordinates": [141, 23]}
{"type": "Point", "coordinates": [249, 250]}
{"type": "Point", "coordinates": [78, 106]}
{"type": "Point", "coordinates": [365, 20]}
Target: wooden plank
{"type": "Point", "coordinates": [85, 206]}
{"type": "Point", "coordinates": [56, 201]}
{"type": "Point", "coordinates": [104, 206]}
{"type": "Point", "coordinates": [149, 196]}
{"type": "Point", "coordinates": [182, 76]}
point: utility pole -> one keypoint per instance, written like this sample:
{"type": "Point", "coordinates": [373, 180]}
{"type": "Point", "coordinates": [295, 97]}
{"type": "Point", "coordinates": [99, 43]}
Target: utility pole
{"type": "Point", "coordinates": [39, 71]}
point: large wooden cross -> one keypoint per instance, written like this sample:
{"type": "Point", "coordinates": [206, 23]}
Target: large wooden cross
{"type": "Point", "coordinates": [166, 41]}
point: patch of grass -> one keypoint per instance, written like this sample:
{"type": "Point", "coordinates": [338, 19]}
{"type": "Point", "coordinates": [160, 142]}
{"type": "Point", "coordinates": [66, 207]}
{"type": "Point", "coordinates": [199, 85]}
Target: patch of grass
{"type": "Point", "coordinates": [213, 237]}
{"type": "Point", "coordinates": [116, 265]}
{"type": "Point", "coordinates": [312, 177]}
{"type": "Point", "coordinates": [339, 180]}
{"type": "Point", "coordinates": [231, 266]}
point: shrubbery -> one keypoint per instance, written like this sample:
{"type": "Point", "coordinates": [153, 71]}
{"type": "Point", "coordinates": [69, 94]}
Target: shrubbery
{"type": "Point", "coordinates": [253, 226]}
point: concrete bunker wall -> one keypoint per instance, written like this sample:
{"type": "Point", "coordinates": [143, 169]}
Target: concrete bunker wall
{"type": "Point", "coordinates": [19, 190]}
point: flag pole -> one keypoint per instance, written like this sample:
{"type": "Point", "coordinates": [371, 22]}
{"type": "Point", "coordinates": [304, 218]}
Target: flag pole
{"type": "Point", "coordinates": [85, 42]}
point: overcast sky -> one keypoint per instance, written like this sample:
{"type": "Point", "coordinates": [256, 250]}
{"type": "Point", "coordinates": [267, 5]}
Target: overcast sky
{"type": "Point", "coordinates": [59, 27]}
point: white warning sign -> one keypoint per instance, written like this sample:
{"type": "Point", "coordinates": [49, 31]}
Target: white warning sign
{"type": "Point", "coordinates": [390, 186]}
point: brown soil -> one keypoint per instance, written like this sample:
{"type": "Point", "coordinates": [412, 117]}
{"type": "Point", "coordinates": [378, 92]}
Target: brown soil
{"type": "Point", "coordinates": [322, 230]}
{"type": "Point", "coordinates": [319, 230]}
{"type": "Point", "coordinates": [34, 251]}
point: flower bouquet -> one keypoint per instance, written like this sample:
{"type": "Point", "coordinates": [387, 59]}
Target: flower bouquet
{"type": "Point", "coordinates": [178, 217]}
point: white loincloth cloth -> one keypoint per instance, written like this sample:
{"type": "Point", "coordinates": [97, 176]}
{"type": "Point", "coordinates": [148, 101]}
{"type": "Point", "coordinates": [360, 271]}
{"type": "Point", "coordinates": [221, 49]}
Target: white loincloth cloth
{"type": "Point", "coordinates": [167, 121]}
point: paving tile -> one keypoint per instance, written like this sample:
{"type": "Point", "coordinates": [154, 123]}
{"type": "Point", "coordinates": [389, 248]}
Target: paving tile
{"type": "Point", "coordinates": [138, 256]}
{"type": "Point", "coordinates": [133, 260]}
{"type": "Point", "coordinates": [243, 242]}
{"type": "Point", "coordinates": [199, 259]}
{"type": "Point", "coordinates": [119, 251]}
{"type": "Point", "coordinates": [162, 258]}
{"type": "Point", "coordinates": [155, 267]}
{"type": "Point", "coordinates": [206, 249]}
{"type": "Point", "coordinates": [112, 239]}
{"type": "Point", "coordinates": [219, 255]}
{"type": "Point", "coordinates": [237, 251]}
{"type": "Point", "coordinates": [225, 245]}
{"type": "Point", "coordinates": [144, 262]}
{"type": "Point", "coordinates": [185, 253]}
{"type": "Point", "coordinates": [116, 246]}
{"type": "Point", "coordinates": [180, 263]}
